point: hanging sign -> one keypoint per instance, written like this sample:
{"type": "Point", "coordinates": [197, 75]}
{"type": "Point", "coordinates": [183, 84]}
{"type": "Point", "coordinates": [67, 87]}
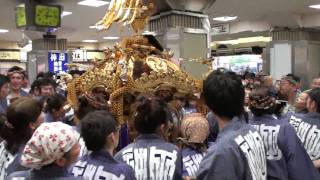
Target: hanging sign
{"type": "Point", "coordinates": [79, 55]}
{"type": "Point", "coordinates": [220, 29]}
{"type": "Point", "coordinates": [9, 55]}
{"type": "Point", "coordinates": [57, 62]}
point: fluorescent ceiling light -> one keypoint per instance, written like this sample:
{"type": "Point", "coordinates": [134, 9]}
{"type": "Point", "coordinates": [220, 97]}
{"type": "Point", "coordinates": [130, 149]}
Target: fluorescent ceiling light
{"type": "Point", "coordinates": [93, 3]}
{"type": "Point", "coordinates": [90, 41]}
{"type": "Point", "coordinates": [96, 27]}
{"type": "Point", "coordinates": [111, 37]}
{"type": "Point", "coordinates": [4, 30]}
{"type": "Point", "coordinates": [245, 40]}
{"type": "Point", "coordinates": [316, 6]}
{"type": "Point", "coordinates": [149, 33]}
{"type": "Point", "coordinates": [65, 13]}
{"type": "Point", "coordinates": [225, 18]}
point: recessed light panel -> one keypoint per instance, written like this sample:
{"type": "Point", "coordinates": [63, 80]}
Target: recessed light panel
{"type": "Point", "coordinates": [225, 18]}
{"type": "Point", "coordinates": [90, 41]}
{"type": "Point", "coordinates": [93, 3]}
{"type": "Point", "coordinates": [4, 30]}
{"type": "Point", "coordinates": [316, 6]}
{"type": "Point", "coordinates": [65, 13]}
{"type": "Point", "coordinates": [111, 38]}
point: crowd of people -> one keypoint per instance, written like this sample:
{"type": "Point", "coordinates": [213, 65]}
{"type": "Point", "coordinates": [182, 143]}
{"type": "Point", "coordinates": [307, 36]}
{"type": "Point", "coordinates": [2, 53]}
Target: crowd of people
{"type": "Point", "coordinates": [254, 129]}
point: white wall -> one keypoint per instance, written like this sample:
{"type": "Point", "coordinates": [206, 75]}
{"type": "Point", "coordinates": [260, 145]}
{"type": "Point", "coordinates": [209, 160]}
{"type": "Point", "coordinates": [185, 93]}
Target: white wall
{"type": "Point", "coordinates": [311, 20]}
{"type": "Point", "coordinates": [108, 44]}
{"type": "Point", "coordinates": [254, 26]}
{"type": "Point", "coordinates": [313, 61]}
{"type": "Point", "coordinates": [280, 60]}
{"type": "Point", "coordinates": [82, 45]}
{"type": "Point", "coordinates": [92, 46]}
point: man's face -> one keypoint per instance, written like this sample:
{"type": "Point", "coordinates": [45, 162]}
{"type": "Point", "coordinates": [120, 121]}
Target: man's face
{"type": "Point", "coordinates": [16, 81]}
{"type": "Point", "coordinates": [76, 75]}
{"type": "Point", "coordinates": [285, 87]}
{"type": "Point", "coordinates": [165, 95]}
{"type": "Point", "coordinates": [4, 91]}
{"type": "Point", "coordinates": [47, 90]}
{"type": "Point", "coordinates": [301, 101]}
{"type": "Point", "coordinates": [315, 83]}
{"type": "Point", "coordinates": [25, 82]}
{"type": "Point", "coordinates": [268, 81]}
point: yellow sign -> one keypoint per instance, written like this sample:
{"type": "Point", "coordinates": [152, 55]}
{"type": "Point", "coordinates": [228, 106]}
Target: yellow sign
{"type": "Point", "coordinates": [98, 55]}
{"type": "Point", "coordinates": [85, 56]}
{"type": "Point", "coordinates": [9, 55]}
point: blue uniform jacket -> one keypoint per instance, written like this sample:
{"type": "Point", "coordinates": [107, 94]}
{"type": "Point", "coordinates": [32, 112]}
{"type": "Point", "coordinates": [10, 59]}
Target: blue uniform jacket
{"type": "Point", "coordinates": [3, 106]}
{"type": "Point", "coordinates": [50, 172]}
{"type": "Point", "coordinates": [101, 165]}
{"type": "Point", "coordinates": [152, 158]}
{"type": "Point", "coordinates": [238, 154]}
{"type": "Point", "coordinates": [307, 127]}
{"type": "Point", "coordinates": [191, 160]}
{"type": "Point", "coordinates": [286, 157]}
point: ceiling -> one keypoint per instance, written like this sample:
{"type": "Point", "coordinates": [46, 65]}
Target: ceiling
{"type": "Point", "coordinates": [75, 27]}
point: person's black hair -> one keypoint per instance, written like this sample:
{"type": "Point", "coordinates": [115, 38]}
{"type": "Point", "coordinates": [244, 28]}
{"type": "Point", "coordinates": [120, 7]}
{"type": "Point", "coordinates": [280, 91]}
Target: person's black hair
{"type": "Point", "coordinates": [73, 72]}
{"type": "Point", "coordinates": [15, 130]}
{"type": "Point", "coordinates": [314, 95]}
{"type": "Point", "coordinates": [40, 75]}
{"type": "Point", "coordinates": [154, 42]}
{"type": "Point", "coordinates": [85, 107]}
{"type": "Point", "coordinates": [250, 76]}
{"type": "Point", "coordinates": [95, 127]}
{"type": "Point", "coordinates": [35, 86]}
{"type": "Point", "coordinates": [261, 101]}
{"type": "Point", "coordinates": [290, 75]}
{"type": "Point", "coordinates": [3, 80]}
{"type": "Point", "coordinates": [15, 68]}
{"type": "Point", "coordinates": [294, 77]}
{"type": "Point", "coordinates": [45, 75]}
{"type": "Point", "coordinates": [54, 102]}
{"type": "Point", "coordinates": [224, 93]}
{"type": "Point", "coordinates": [47, 82]}
{"type": "Point", "coordinates": [83, 71]}
{"type": "Point", "coordinates": [166, 99]}
{"type": "Point", "coordinates": [150, 114]}
{"type": "Point", "coordinates": [213, 127]}
{"type": "Point", "coordinates": [297, 78]}
{"type": "Point", "coordinates": [243, 77]}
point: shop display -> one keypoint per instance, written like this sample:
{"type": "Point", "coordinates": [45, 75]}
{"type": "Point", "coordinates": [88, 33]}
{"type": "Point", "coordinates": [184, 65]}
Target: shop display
{"type": "Point", "coordinates": [239, 63]}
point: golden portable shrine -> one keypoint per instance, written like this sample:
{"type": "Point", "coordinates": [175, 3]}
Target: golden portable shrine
{"type": "Point", "coordinates": [132, 67]}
